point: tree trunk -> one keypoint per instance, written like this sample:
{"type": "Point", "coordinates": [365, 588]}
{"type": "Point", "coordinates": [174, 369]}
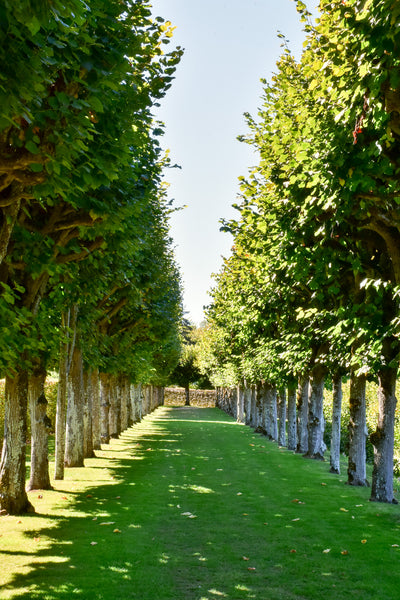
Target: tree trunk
{"type": "Point", "coordinates": [187, 396]}
{"type": "Point", "coordinates": [87, 415]}
{"type": "Point", "coordinates": [259, 409]}
{"type": "Point", "coordinates": [74, 440]}
{"type": "Point", "coordinates": [40, 427]}
{"type": "Point", "coordinates": [316, 445]}
{"type": "Point", "coordinates": [247, 404]}
{"type": "Point", "coordinates": [68, 322]}
{"type": "Point", "coordinates": [105, 407]}
{"type": "Point", "coordinates": [357, 474]}
{"type": "Point", "coordinates": [273, 407]}
{"type": "Point", "coordinates": [13, 496]}
{"type": "Point", "coordinates": [125, 401]}
{"type": "Point", "coordinates": [302, 414]}
{"type": "Point", "coordinates": [240, 405]}
{"type": "Point", "coordinates": [266, 419]}
{"type": "Point", "coordinates": [336, 423]}
{"type": "Point", "coordinates": [253, 407]}
{"type": "Point", "coordinates": [383, 438]}
{"type": "Point", "coordinates": [292, 425]}
{"type": "Point", "coordinates": [115, 408]}
{"type": "Point", "coordinates": [135, 398]}
{"type": "Point", "coordinates": [96, 428]}
{"type": "Point", "coordinates": [282, 417]}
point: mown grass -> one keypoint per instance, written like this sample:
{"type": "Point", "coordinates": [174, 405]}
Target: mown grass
{"type": "Point", "coordinates": [189, 505]}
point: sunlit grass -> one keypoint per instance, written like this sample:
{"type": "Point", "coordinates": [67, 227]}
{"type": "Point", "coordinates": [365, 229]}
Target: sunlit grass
{"type": "Point", "coordinates": [189, 505]}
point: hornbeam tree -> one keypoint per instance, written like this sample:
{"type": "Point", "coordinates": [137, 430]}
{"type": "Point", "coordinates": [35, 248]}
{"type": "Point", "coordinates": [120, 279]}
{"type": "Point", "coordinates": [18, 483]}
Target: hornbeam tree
{"type": "Point", "coordinates": [64, 142]}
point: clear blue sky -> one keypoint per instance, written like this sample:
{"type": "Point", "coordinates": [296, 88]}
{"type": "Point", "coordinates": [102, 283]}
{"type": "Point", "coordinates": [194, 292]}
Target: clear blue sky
{"type": "Point", "coordinates": [229, 46]}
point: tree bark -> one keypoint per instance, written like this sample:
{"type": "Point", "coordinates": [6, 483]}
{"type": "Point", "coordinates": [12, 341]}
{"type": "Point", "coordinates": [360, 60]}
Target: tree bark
{"type": "Point", "coordinates": [383, 438]}
{"type": "Point", "coordinates": [259, 408]}
{"type": "Point", "coordinates": [302, 414]}
{"type": "Point", "coordinates": [105, 407]}
{"type": "Point", "coordinates": [247, 404]}
{"type": "Point", "coordinates": [96, 428]}
{"type": "Point", "coordinates": [282, 417]}
{"type": "Point", "coordinates": [125, 401]}
{"type": "Point", "coordinates": [336, 423]}
{"type": "Point", "coordinates": [356, 471]}
{"type": "Point", "coordinates": [68, 321]}
{"type": "Point", "coordinates": [240, 405]}
{"type": "Point", "coordinates": [13, 496]}
{"type": "Point", "coordinates": [316, 445]}
{"type": "Point", "coordinates": [40, 427]}
{"type": "Point", "coordinates": [87, 415]}
{"type": "Point", "coordinates": [115, 408]}
{"type": "Point", "coordinates": [253, 408]}
{"type": "Point", "coordinates": [74, 439]}
{"type": "Point", "coordinates": [292, 425]}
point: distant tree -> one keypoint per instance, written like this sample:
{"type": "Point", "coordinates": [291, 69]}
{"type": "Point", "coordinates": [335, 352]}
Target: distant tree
{"type": "Point", "coordinates": [187, 371]}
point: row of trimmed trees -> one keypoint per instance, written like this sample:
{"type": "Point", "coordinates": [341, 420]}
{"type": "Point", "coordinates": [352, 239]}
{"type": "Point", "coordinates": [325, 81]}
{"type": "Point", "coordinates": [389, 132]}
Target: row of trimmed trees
{"type": "Point", "coordinates": [311, 290]}
{"type": "Point", "coordinates": [88, 280]}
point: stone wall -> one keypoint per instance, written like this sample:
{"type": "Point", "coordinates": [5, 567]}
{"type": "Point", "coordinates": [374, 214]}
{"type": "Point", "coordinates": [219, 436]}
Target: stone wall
{"type": "Point", "coordinates": [201, 398]}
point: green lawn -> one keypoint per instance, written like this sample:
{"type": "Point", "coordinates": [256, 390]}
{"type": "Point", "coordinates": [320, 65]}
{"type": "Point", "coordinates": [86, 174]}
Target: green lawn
{"type": "Point", "coordinates": [189, 505]}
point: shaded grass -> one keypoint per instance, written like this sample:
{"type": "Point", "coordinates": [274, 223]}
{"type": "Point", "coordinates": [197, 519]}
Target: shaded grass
{"type": "Point", "coordinates": [205, 509]}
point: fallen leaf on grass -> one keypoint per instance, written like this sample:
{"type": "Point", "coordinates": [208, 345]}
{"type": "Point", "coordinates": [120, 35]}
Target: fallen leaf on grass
{"type": "Point", "coordinates": [251, 568]}
{"type": "Point", "coordinates": [239, 494]}
{"type": "Point", "coordinates": [37, 539]}
{"type": "Point", "coordinates": [344, 509]}
{"type": "Point", "coordinates": [326, 551]}
{"type": "Point", "coordinates": [344, 552]}
{"type": "Point", "coordinates": [363, 541]}
{"type": "Point", "coordinates": [293, 551]}
{"type": "Point", "coordinates": [323, 483]}
{"type": "Point", "coordinates": [189, 515]}
{"type": "Point", "coordinates": [395, 546]}
{"type": "Point", "coordinates": [93, 543]}
{"type": "Point", "coordinates": [107, 523]}
{"type": "Point", "coordinates": [94, 518]}
{"type": "Point", "coordinates": [40, 496]}
{"type": "Point", "coordinates": [89, 496]}
{"type": "Point", "coordinates": [245, 558]}
{"type": "Point", "coordinates": [117, 531]}
{"type": "Point", "coordinates": [296, 519]}
{"type": "Point", "coordinates": [64, 498]}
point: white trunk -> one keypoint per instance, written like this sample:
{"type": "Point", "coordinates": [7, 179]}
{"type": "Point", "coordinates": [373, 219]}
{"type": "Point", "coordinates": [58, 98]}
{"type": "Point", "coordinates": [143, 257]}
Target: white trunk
{"type": "Point", "coordinates": [240, 404]}
{"type": "Point", "coordinates": [87, 416]}
{"type": "Point", "coordinates": [114, 414]}
{"type": "Point", "coordinates": [292, 425]}
{"type": "Point", "coordinates": [105, 391]}
{"type": "Point", "coordinates": [282, 417]}
{"type": "Point", "coordinates": [316, 424]}
{"type": "Point", "coordinates": [68, 323]}
{"type": "Point", "coordinates": [383, 439]}
{"type": "Point", "coordinates": [125, 403]}
{"type": "Point", "coordinates": [302, 414]}
{"type": "Point", "coordinates": [274, 413]}
{"type": "Point", "coordinates": [13, 496]}
{"type": "Point", "coordinates": [336, 423]}
{"type": "Point", "coordinates": [96, 428]}
{"type": "Point", "coordinates": [357, 474]}
{"type": "Point", "coordinates": [74, 439]}
{"type": "Point", "coordinates": [247, 404]}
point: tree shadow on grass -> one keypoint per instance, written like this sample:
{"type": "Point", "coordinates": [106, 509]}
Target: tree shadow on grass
{"type": "Point", "coordinates": [192, 510]}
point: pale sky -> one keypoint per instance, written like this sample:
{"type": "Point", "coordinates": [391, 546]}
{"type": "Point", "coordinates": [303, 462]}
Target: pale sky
{"type": "Point", "coordinates": [229, 46]}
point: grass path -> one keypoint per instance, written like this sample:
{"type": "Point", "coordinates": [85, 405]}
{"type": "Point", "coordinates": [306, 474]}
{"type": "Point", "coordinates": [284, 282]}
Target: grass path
{"type": "Point", "coordinates": [189, 505]}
